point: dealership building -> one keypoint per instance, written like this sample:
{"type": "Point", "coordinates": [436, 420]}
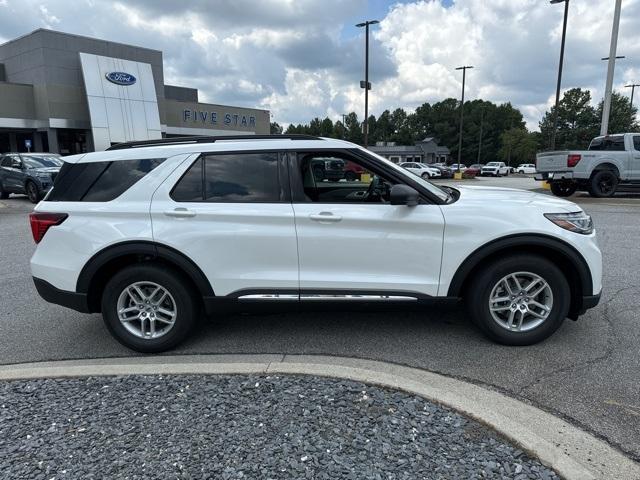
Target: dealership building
{"type": "Point", "coordinates": [72, 94]}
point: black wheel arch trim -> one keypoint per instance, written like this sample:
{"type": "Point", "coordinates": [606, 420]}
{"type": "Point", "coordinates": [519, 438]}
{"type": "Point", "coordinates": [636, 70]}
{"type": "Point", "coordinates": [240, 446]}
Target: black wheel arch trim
{"type": "Point", "coordinates": [522, 240]}
{"type": "Point", "coordinates": [151, 249]}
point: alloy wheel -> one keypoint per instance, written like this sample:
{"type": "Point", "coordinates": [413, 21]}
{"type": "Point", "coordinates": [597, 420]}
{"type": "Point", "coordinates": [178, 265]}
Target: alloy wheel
{"type": "Point", "coordinates": [521, 301]}
{"type": "Point", "coordinates": [147, 310]}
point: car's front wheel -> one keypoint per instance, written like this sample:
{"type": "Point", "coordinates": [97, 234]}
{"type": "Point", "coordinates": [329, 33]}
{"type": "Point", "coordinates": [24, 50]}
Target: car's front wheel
{"type": "Point", "coordinates": [3, 193]}
{"type": "Point", "coordinates": [519, 300]}
{"type": "Point", "coordinates": [149, 309]}
{"type": "Point", "coordinates": [426, 176]}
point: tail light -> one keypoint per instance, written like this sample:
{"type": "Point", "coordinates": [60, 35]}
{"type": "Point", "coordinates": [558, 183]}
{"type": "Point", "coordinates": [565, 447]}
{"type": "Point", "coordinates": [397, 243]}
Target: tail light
{"type": "Point", "coordinates": [41, 222]}
{"type": "Point", "coordinates": [572, 160]}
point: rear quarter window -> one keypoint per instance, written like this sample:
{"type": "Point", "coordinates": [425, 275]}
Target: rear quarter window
{"type": "Point", "coordinates": [99, 181]}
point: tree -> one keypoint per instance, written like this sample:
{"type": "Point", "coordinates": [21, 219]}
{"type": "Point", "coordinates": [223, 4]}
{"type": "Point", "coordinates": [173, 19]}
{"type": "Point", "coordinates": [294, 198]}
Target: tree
{"type": "Point", "coordinates": [622, 116]}
{"type": "Point", "coordinates": [275, 129]}
{"type": "Point", "coordinates": [578, 121]}
{"type": "Point", "coordinates": [518, 146]}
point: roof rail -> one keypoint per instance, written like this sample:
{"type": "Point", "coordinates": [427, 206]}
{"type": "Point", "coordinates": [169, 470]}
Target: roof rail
{"type": "Point", "coordinates": [207, 139]}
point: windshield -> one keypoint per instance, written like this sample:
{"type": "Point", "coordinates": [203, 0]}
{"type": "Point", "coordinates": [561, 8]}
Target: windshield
{"type": "Point", "coordinates": [492, 164]}
{"type": "Point", "coordinates": [434, 189]}
{"type": "Point", "coordinates": [44, 161]}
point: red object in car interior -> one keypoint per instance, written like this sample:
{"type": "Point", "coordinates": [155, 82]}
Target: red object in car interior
{"type": "Point", "coordinates": [41, 222]}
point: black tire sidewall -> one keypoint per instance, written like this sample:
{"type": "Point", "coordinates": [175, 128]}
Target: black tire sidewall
{"type": "Point", "coordinates": [171, 280]}
{"type": "Point", "coordinates": [478, 299]}
{"type": "Point", "coordinates": [425, 176]}
{"type": "Point", "coordinates": [28, 190]}
{"type": "Point", "coordinates": [556, 190]}
{"type": "Point", "coordinates": [594, 188]}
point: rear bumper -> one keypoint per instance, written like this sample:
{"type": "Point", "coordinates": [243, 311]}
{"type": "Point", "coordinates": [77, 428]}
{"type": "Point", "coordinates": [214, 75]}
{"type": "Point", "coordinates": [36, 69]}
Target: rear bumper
{"type": "Point", "coordinates": [553, 176]}
{"type": "Point", "coordinates": [72, 300]}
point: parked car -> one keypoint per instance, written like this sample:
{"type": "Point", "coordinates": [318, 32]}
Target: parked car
{"type": "Point", "coordinates": [421, 169]}
{"type": "Point", "coordinates": [610, 161]}
{"type": "Point", "coordinates": [526, 168]}
{"type": "Point", "coordinates": [474, 169]}
{"type": "Point", "coordinates": [28, 173]}
{"type": "Point", "coordinates": [152, 233]}
{"type": "Point", "coordinates": [496, 169]}
{"type": "Point", "coordinates": [353, 171]}
{"type": "Point", "coordinates": [331, 169]}
{"type": "Point", "coordinates": [454, 167]}
{"type": "Point", "coordinates": [445, 172]}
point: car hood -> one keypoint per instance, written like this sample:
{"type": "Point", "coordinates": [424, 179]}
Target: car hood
{"type": "Point", "coordinates": [491, 195]}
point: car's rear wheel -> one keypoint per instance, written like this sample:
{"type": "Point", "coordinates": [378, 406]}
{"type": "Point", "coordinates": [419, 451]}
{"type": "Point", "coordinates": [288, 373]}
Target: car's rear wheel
{"type": "Point", "coordinates": [519, 300]}
{"type": "Point", "coordinates": [149, 309]}
{"type": "Point", "coordinates": [563, 188]}
{"type": "Point", "coordinates": [3, 193]}
{"type": "Point", "coordinates": [350, 176]}
{"type": "Point", "coordinates": [603, 183]}
{"type": "Point", "coordinates": [32, 192]}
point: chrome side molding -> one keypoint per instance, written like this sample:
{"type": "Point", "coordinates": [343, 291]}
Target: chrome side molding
{"type": "Point", "coordinates": [328, 297]}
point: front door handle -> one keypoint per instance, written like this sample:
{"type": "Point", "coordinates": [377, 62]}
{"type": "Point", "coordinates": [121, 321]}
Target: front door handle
{"type": "Point", "coordinates": [180, 213]}
{"type": "Point", "coordinates": [325, 217]}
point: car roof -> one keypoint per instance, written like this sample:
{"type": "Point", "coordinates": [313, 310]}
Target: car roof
{"type": "Point", "coordinates": [226, 145]}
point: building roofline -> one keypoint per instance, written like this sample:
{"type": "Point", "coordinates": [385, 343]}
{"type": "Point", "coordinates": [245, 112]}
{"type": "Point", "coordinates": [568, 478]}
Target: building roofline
{"type": "Point", "coordinates": [48, 30]}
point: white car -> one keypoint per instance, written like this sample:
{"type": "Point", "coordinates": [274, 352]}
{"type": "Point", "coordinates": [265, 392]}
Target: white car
{"type": "Point", "coordinates": [526, 168]}
{"type": "Point", "coordinates": [496, 169]}
{"type": "Point", "coordinates": [421, 169]}
{"type": "Point", "coordinates": [152, 233]}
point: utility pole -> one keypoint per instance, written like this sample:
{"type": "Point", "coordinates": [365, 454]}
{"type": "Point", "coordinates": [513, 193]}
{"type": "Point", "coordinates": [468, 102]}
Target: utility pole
{"type": "Point", "coordinates": [606, 108]}
{"type": "Point", "coordinates": [480, 140]}
{"type": "Point", "coordinates": [564, 35]}
{"type": "Point", "coordinates": [344, 126]}
{"type": "Point", "coordinates": [464, 74]}
{"type": "Point", "coordinates": [633, 89]}
{"type": "Point", "coordinates": [366, 85]}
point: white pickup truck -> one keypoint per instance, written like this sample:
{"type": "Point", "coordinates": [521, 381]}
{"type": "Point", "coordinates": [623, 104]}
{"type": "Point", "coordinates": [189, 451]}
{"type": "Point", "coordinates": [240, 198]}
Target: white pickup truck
{"type": "Point", "coordinates": [609, 161]}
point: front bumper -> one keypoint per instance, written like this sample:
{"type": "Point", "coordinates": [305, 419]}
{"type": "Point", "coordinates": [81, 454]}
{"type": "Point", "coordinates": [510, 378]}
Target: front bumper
{"type": "Point", "coordinates": [72, 300]}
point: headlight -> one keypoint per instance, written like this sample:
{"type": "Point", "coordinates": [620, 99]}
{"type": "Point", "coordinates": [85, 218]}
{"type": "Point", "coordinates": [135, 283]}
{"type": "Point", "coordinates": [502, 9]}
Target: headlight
{"type": "Point", "coordinates": [578, 222]}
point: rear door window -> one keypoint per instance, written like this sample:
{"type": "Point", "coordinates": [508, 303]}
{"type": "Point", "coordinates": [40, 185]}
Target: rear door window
{"type": "Point", "coordinates": [232, 178]}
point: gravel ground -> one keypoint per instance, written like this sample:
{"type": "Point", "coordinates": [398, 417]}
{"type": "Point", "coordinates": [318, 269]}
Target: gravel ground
{"type": "Point", "coordinates": [232, 427]}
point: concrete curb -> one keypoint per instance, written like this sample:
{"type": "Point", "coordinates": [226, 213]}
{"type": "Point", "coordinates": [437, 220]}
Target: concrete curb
{"type": "Point", "coordinates": [571, 452]}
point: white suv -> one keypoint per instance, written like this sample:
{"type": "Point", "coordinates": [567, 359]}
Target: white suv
{"type": "Point", "coordinates": [421, 169]}
{"type": "Point", "coordinates": [496, 169]}
{"type": "Point", "coordinates": [153, 233]}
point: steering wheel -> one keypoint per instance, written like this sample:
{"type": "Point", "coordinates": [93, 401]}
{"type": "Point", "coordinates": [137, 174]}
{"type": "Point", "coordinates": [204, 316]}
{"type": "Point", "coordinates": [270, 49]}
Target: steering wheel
{"type": "Point", "coordinates": [373, 192]}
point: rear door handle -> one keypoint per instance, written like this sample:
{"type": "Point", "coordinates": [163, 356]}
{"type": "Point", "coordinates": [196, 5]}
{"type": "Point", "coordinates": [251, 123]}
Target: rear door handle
{"type": "Point", "coordinates": [325, 217]}
{"type": "Point", "coordinates": [180, 213]}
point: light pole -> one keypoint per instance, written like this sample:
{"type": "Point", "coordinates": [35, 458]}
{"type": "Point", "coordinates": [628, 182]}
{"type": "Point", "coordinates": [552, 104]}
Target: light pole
{"type": "Point", "coordinates": [464, 74]}
{"type": "Point", "coordinates": [633, 89]}
{"type": "Point", "coordinates": [606, 107]}
{"type": "Point", "coordinates": [344, 126]}
{"type": "Point", "coordinates": [480, 139]}
{"type": "Point", "coordinates": [366, 85]}
{"type": "Point", "coordinates": [564, 35]}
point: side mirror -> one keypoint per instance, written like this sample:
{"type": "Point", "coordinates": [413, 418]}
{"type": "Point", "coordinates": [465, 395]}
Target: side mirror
{"type": "Point", "coordinates": [404, 195]}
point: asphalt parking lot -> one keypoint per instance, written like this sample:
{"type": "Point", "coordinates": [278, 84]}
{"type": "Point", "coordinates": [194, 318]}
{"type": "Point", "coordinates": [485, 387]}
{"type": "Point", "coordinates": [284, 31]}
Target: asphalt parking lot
{"type": "Point", "coordinates": [588, 372]}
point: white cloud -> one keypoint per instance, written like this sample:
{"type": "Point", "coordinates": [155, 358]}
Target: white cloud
{"type": "Point", "coordinates": [298, 59]}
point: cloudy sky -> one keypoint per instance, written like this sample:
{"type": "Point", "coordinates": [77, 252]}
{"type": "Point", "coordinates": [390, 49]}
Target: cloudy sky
{"type": "Point", "coordinates": [304, 58]}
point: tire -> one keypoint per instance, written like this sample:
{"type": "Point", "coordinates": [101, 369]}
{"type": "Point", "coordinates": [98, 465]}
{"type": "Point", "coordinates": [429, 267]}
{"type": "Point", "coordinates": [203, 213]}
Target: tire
{"type": "Point", "coordinates": [486, 283]}
{"type": "Point", "coordinates": [563, 189]}
{"type": "Point", "coordinates": [425, 176]}
{"type": "Point", "coordinates": [350, 176]}
{"type": "Point", "coordinates": [33, 192]}
{"type": "Point", "coordinates": [3, 193]}
{"type": "Point", "coordinates": [603, 183]}
{"type": "Point", "coordinates": [180, 299]}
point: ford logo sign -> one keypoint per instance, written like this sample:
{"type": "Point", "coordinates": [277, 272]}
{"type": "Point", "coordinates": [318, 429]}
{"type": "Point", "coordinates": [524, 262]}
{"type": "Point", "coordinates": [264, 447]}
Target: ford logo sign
{"type": "Point", "coordinates": [121, 78]}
